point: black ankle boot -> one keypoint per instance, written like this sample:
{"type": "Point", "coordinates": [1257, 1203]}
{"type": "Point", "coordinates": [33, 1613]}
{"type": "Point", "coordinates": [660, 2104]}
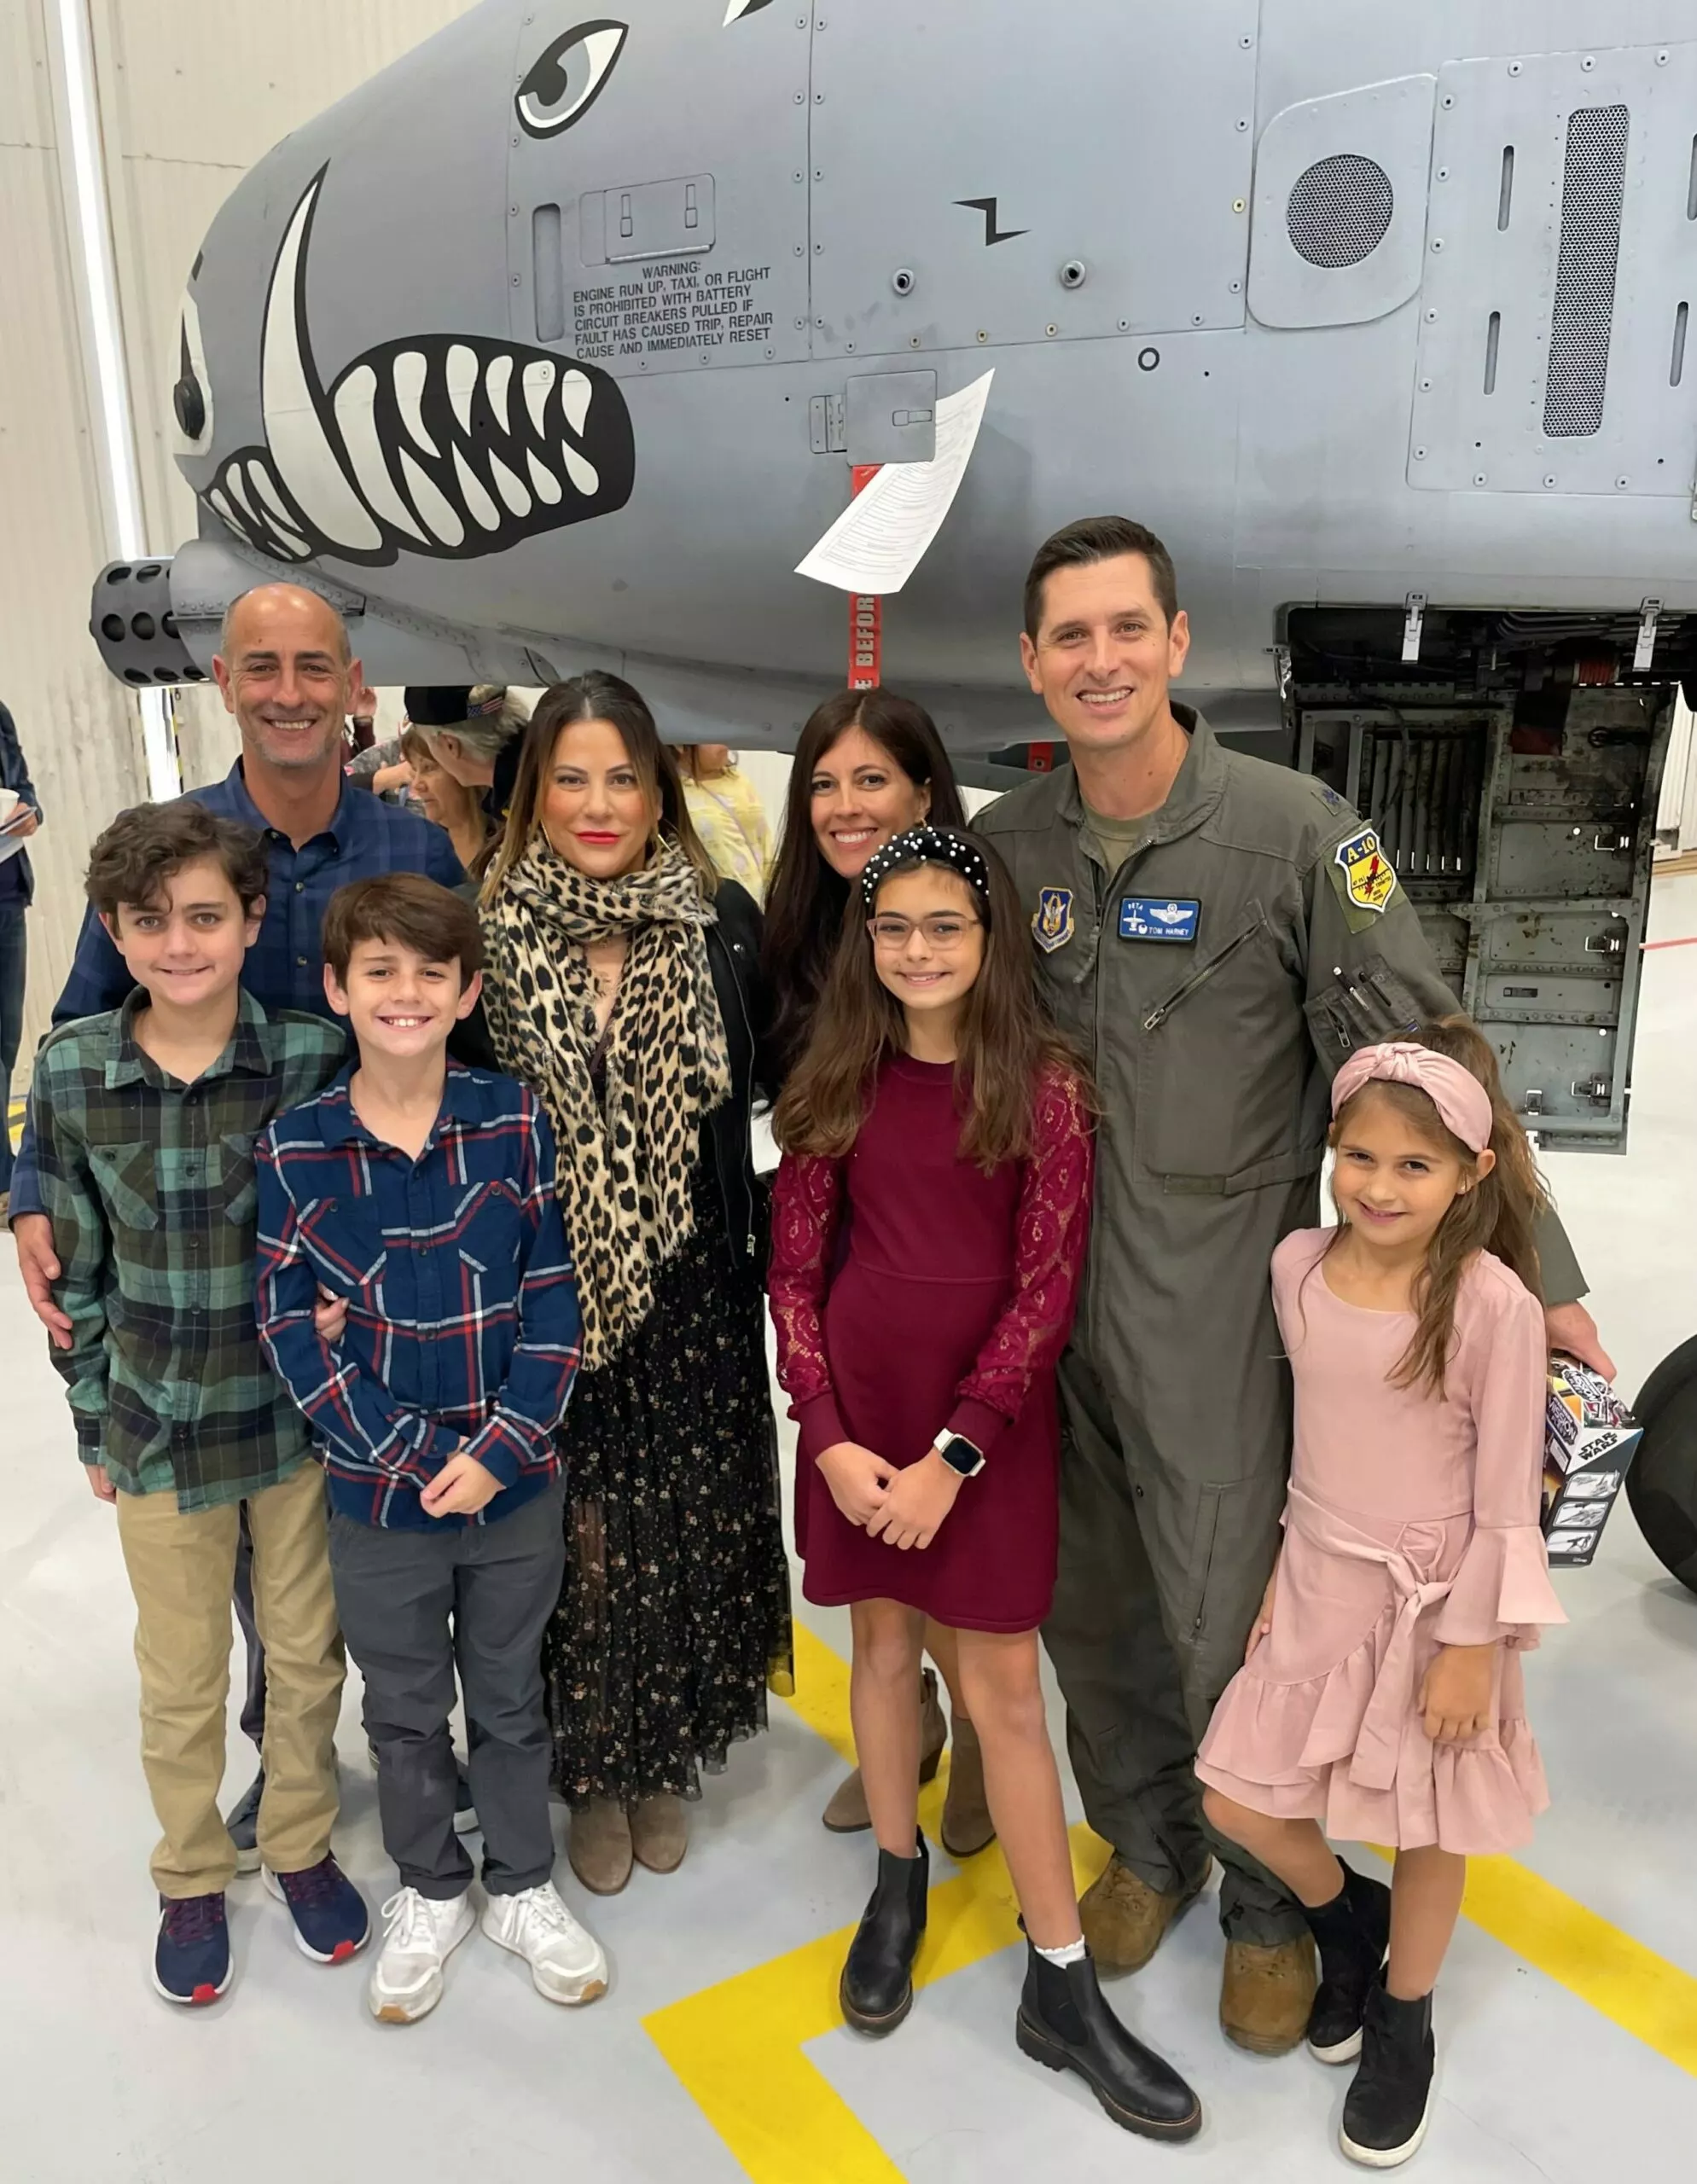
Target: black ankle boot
{"type": "Point", "coordinates": [1065, 2022]}
{"type": "Point", "coordinates": [877, 1983]}
{"type": "Point", "coordinates": [1353, 1932]}
{"type": "Point", "coordinates": [1386, 2111]}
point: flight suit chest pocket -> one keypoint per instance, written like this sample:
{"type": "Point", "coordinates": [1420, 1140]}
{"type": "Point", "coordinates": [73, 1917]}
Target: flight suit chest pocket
{"type": "Point", "coordinates": [346, 1239]}
{"type": "Point", "coordinates": [1222, 1062]}
{"type": "Point", "coordinates": [128, 1182]}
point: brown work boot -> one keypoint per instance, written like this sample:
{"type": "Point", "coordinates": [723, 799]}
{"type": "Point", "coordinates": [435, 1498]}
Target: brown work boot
{"type": "Point", "coordinates": [967, 1827]}
{"type": "Point", "coordinates": [847, 1812]}
{"type": "Point", "coordinates": [659, 1833]}
{"type": "Point", "coordinates": [1124, 1917]}
{"type": "Point", "coordinates": [1267, 1994]}
{"type": "Point", "coordinates": [599, 1845]}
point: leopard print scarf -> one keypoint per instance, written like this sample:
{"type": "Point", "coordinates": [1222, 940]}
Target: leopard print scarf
{"type": "Point", "coordinates": [626, 1161]}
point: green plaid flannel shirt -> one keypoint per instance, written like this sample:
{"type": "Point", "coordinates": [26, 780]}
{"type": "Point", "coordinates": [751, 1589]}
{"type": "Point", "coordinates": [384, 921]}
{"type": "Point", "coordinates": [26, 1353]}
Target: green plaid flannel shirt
{"type": "Point", "coordinates": [149, 1186]}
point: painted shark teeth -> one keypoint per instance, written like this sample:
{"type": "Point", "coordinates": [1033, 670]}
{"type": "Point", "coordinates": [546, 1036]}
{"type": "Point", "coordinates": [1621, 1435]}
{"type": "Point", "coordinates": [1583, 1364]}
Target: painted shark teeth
{"type": "Point", "coordinates": [418, 445]}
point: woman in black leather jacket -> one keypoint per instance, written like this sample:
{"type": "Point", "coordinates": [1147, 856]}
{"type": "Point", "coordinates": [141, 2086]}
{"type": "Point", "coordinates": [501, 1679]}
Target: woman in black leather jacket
{"type": "Point", "coordinates": [621, 981]}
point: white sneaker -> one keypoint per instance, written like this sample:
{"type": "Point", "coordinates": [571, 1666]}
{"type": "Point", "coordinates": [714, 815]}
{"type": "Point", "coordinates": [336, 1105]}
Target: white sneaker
{"type": "Point", "coordinates": [567, 1961]}
{"type": "Point", "coordinates": [418, 1938]}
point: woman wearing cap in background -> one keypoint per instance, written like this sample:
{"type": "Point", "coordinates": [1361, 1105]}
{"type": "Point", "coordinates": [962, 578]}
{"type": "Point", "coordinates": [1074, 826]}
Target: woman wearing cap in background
{"type": "Point", "coordinates": [622, 984]}
{"type": "Point", "coordinates": [475, 734]}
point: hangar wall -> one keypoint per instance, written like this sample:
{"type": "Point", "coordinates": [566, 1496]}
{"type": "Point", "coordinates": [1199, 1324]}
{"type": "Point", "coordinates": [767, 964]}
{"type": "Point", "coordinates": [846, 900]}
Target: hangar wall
{"type": "Point", "coordinates": [191, 93]}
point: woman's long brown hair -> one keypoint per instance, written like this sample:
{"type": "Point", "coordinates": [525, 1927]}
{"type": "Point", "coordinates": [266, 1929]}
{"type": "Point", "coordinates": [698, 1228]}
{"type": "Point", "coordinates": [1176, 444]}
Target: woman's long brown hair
{"type": "Point", "coordinates": [1498, 1213]}
{"type": "Point", "coordinates": [1006, 1041]}
{"type": "Point", "coordinates": [806, 900]}
{"type": "Point", "coordinates": [612, 698]}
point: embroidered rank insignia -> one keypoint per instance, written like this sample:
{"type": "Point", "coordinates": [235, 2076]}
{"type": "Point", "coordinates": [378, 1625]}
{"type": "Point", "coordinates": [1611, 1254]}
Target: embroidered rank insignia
{"type": "Point", "coordinates": [1052, 920]}
{"type": "Point", "coordinates": [1151, 917]}
{"type": "Point", "coordinates": [1369, 882]}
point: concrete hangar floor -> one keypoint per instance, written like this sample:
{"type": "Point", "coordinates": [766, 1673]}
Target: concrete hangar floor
{"type": "Point", "coordinates": [1567, 2015]}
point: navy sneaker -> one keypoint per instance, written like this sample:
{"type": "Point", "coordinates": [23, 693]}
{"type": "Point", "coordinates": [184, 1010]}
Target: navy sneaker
{"type": "Point", "coordinates": [191, 1957]}
{"type": "Point", "coordinates": [331, 1922]}
{"type": "Point", "coordinates": [244, 1824]}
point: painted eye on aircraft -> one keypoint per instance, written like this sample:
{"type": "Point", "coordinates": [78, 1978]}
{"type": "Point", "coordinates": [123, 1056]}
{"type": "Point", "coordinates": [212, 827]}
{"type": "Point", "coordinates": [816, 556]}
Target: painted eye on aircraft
{"type": "Point", "coordinates": [565, 80]}
{"type": "Point", "coordinates": [191, 398]}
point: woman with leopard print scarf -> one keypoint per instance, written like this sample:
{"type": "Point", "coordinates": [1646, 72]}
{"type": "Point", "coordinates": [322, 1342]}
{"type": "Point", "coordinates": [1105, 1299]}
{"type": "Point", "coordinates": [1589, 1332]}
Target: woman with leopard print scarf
{"type": "Point", "coordinates": [619, 985]}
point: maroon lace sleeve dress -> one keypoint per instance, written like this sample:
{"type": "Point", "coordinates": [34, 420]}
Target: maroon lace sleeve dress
{"type": "Point", "coordinates": [912, 1291]}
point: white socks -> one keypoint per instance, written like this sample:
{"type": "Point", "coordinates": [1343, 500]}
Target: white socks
{"type": "Point", "coordinates": [1070, 1953]}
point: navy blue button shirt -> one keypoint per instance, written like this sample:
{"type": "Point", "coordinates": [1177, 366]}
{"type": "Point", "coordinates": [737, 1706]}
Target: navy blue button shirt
{"type": "Point", "coordinates": [285, 967]}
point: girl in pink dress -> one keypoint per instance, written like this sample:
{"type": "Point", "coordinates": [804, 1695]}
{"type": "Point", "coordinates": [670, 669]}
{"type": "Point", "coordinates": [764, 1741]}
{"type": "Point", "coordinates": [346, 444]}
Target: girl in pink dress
{"type": "Point", "coordinates": [929, 1225]}
{"type": "Point", "coordinates": [1380, 1699]}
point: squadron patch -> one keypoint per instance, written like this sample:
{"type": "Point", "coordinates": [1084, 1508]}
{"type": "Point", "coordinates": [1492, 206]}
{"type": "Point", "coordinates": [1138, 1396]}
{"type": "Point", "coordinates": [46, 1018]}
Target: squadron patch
{"type": "Point", "coordinates": [1364, 877]}
{"type": "Point", "coordinates": [1052, 920]}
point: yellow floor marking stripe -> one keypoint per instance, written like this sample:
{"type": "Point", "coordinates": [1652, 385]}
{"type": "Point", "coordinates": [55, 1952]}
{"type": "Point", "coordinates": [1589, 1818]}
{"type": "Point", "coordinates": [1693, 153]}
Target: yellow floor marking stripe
{"type": "Point", "coordinates": [737, 2048]}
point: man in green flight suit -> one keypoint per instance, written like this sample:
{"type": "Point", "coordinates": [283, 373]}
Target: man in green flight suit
{"type": "Point", "coordinates": [1216, 934]}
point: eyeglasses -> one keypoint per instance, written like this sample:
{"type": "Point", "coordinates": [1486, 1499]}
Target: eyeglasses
{"type": "Point", "coordinates": [944, 930]}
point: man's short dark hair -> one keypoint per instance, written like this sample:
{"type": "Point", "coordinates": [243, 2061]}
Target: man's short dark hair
{"type": "Point", "coordinates": [1099, 538]}
{"type": "Point", "coordinates": [409, 911]}
{"type": "Point", "coordinates": [141, 848]}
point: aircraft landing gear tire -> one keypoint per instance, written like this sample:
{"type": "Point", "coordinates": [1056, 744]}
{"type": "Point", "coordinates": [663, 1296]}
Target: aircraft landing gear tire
{"type": "Point", "coordinates": [1662, 1482]}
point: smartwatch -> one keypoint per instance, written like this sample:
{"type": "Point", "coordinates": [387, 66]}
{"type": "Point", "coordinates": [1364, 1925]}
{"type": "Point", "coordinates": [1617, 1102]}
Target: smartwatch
{"type": "Point", "coordinates": [959, 1453]}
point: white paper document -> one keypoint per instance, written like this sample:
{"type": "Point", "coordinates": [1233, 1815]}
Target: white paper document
{"type": "Point", "coordinates": [880, 539]}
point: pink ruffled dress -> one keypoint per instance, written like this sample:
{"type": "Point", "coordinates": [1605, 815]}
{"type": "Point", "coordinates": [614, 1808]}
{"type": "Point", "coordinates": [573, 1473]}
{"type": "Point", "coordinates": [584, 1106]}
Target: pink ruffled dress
{"type": "Point", "coordinates": [1412, 1524]}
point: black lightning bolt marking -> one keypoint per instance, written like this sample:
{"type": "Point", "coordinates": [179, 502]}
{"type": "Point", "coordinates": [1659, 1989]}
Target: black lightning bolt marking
{"type": "Point", "coordinates": [993, 234]}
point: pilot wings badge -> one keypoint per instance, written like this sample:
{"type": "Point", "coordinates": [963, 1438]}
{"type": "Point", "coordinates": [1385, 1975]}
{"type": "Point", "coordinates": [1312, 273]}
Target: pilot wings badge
{"type": "Point", "coordinates": [1052, 920]}
{"type": "Point", "coordinates": [1369, 880]}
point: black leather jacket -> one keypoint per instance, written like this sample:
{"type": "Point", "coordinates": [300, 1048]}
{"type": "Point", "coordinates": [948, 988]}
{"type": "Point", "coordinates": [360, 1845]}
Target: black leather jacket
{"type": "Point", "coordinates": [734, 954]}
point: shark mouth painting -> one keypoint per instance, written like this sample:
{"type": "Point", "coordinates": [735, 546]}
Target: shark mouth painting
{"type": "Point", "coordinates": [443, 445]}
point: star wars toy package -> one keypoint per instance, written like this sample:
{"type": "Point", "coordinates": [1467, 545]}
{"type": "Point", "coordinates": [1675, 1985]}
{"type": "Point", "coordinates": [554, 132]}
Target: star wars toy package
{"type": "Point", "coordinates": [1588, 1439]}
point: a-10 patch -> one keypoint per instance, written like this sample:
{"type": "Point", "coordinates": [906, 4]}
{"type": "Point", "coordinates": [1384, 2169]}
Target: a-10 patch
{"type": "Point", "coordinates": [1363, 878]}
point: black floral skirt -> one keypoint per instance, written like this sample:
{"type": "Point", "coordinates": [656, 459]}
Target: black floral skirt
{"type": "Point", "coordinates": [674, 1618]}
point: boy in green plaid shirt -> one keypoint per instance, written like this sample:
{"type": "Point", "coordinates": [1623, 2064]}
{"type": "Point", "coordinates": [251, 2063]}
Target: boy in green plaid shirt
{"type": "Point", "coordinates": [145, 1121]}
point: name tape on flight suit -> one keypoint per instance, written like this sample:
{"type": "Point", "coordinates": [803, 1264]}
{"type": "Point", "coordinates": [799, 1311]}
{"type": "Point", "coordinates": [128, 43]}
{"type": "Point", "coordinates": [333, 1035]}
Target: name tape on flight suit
{"type": "Point", "coordinates": [1158, 917]}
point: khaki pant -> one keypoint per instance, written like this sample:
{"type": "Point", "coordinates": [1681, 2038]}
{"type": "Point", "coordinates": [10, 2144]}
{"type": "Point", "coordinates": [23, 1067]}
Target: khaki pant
{"type": "Point", "coordinates": [181, 1568]}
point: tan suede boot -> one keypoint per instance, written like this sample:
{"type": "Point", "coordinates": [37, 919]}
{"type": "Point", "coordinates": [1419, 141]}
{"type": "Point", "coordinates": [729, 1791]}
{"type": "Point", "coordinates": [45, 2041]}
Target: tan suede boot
{"type": "Point", "coordinates": [1267, 1994]}
{"type": "Point", "coordinates": [847, 1812]}
{"type": "Point", "coordinates": [967, 1827]}
{"type": "Point", "coordinates": [1124, 1917]}
{"type": "Point", "coordinates": [599, 1846]}
{"type": "Point", "coordinates": [659, 1833]}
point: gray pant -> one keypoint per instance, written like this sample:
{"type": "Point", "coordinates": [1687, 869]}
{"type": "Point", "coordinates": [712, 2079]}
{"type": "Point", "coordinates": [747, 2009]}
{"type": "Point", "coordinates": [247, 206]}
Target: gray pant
{"type": "Point", "coordinates": [1160, 1577]}
{"type": "Point", "coordinates": [398, 1592]}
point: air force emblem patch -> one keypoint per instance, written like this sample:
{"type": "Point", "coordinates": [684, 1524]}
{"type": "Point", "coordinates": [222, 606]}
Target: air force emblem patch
{"type": "Point", "coordinates": [1052, 920]}
{"type": "Point", "coordinates": [1369, 880]}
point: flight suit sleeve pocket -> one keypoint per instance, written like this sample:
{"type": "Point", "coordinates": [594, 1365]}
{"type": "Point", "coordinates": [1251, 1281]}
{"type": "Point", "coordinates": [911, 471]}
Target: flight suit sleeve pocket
{"type": "Point", "coordinates": [1364, 1005]}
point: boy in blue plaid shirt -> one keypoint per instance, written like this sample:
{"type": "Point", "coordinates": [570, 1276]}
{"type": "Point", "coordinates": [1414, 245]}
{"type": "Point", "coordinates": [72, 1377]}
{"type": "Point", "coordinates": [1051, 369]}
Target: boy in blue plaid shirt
{"type": "Point", "coordinates": [145, 1120]}
{"type": "Point", "coordinates": [421, 1194]}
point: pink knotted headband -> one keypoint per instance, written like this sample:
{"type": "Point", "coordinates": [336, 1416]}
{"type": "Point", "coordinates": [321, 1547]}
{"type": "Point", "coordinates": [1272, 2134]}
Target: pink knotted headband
{"type": "Point", "coordinates": [1459, 1097]}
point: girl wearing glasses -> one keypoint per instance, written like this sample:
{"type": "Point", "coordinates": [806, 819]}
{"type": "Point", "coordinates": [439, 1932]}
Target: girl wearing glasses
{"type": "Point", "coordinates": [930, 1219]}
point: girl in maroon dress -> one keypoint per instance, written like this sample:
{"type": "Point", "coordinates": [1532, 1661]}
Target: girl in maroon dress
{"type": "Point", "coordinates": [930, 1219]}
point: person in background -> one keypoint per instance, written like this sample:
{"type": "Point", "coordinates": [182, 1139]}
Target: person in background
{"type": "Point", "coordinates": [729, 815]}
{"type": "Point", "coordinates": [437, 796]}
{"type": "Point", "coordinates": [868, 765]}
{"type": "Point", "coordinates": [17, 892]}
{"type": "Point", "coordinates": [437, 1409]}
{"type": "Point", "coordinates": [285, 669]}
{"type": "Point", "coordinates": [622, 985]}
{"type": "Point", "coordinates": [476, 735]}
{"type": "Point", "coordinates": [145, 1118]}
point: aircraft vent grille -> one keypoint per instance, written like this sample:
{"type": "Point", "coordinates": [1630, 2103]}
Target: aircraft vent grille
{"type": "Point", "coordinates": [1340, 210]}
{"type": "Point", "coordinates": [1594, 190]}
